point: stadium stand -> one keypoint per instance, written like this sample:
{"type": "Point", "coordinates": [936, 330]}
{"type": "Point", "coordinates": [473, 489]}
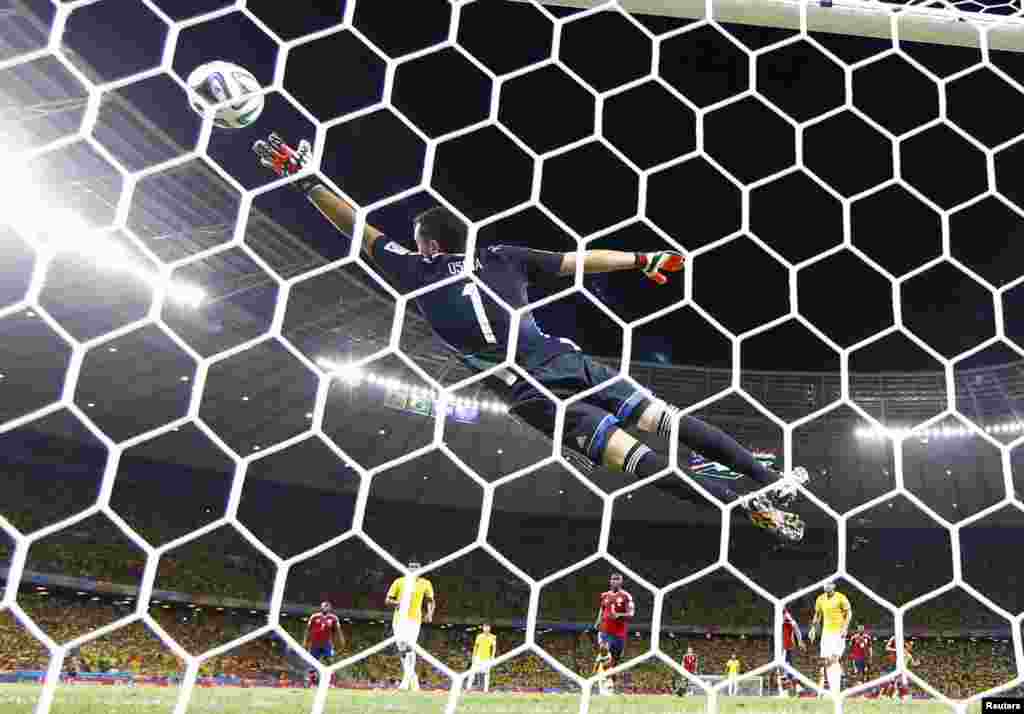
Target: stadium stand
{"type": "Point", "coordinates": [467, 588]}
{"type": "Point", "coordinates": [135, 649]}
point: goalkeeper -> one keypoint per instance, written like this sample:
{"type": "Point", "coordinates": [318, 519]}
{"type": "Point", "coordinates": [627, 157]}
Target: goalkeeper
{"type": "Point", "coordinates": [477, 328]}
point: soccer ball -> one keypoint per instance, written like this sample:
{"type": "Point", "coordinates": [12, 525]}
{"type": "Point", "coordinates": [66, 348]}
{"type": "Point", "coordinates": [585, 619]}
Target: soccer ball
{"type": "Point", "coordinates": [220, 81]}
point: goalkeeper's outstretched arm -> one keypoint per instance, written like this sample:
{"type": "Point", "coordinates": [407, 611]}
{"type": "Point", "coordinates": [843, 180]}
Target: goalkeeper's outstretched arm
{"type": "Point", "coordinates": [283, 160]}
{"type": "Point", "coordinates": [608, 261]}
{"type": "Point", "coordinates": [341, 215]}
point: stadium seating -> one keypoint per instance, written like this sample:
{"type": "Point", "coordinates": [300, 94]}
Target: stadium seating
{"type": "Point", "coordinates": [957, 666]}
{"type": "Point", "coordinates": [468, 589]}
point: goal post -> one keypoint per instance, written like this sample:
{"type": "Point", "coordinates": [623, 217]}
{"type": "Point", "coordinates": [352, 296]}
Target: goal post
{"type": "Point", "coordinates": [745, 686]}
{"type": "Point", "coordinates": [859, 18]}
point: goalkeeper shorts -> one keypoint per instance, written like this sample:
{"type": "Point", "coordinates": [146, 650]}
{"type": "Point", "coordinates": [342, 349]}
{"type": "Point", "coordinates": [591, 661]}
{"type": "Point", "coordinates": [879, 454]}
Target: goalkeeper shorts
{"type": "Point", "coordinates": [588, 422]}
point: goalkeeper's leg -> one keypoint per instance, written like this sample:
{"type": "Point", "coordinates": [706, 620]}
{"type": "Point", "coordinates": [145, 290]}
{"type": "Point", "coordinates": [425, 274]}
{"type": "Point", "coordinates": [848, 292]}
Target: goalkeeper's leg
{"type": "Point", "coordinates": [628, 407]}
{"type": "Point", "coordinates": [592, 429]}
{"type": "Point", "coordinates": [593, 432]}
{"type": "Point", "coordinates": [656, 416]}
{"type": "Point", "coordinates": [623, 452]}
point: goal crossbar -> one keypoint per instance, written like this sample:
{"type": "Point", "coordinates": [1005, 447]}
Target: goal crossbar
{"type": "Point", "coordinates": [859, 18]}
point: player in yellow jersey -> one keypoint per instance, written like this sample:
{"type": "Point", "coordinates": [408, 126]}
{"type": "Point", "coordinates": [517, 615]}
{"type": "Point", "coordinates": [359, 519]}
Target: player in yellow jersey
{"type": "Point", "coordinates": [732, 673]}
{"type": "Point", "coordinates": [601, 663]}
{"type": "Point", "coordinates": [485, 648]}
{"type": "Point", "coordinates": [833, 611]}
{"type": "Point", "coordinates": [406, 625]}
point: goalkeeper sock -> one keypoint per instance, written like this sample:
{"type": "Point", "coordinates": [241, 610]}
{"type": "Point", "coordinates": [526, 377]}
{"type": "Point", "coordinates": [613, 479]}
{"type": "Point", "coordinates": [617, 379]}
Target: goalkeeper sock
{"type": "Point", "coordinates": [642, 461]}
{"type": "Point", "coordinates": [713, 443]}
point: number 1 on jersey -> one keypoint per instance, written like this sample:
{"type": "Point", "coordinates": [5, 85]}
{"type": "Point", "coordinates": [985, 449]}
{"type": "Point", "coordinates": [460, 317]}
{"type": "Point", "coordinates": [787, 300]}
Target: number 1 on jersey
{"type": "Point", "coordinates": [473, 292]}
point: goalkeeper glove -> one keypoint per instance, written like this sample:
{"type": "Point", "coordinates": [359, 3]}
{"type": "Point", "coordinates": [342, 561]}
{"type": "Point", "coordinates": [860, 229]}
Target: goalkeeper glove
{"type": "Point", "coordinates": [812, 635]}
{"type": "Point", "coordinates": [651, 264]}
{"type": "Point", "coordinates": [283, 160]}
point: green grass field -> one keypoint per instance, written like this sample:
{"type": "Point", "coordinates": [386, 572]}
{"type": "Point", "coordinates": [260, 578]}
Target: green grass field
{"type": "Point", "coordinates": [85, 699]}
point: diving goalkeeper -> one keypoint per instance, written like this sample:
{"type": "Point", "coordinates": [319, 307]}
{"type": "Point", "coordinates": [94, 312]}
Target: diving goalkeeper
{"type": "Point", "coordinates": [476, 329]}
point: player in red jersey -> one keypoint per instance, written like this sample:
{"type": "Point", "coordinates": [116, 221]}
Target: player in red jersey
{"type": "Point", "coordinates": [323, 630]}
{"type": "Point", "coordinates": [615, 610]}
{"type": "Point", "coordinates": [902, 682]}
{"type": "Point", "coordinates": [690, 661]}
{"type": "Point", "coordinates": [861, 652]}
{"type": "Point", "coordinates": [791, 639]}
{"type": "Point", "coordinates": [690, 665]}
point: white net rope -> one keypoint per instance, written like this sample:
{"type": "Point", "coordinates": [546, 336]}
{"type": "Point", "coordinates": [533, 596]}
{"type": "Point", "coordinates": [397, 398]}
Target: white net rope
{"type": "Point", "coordinates": [32, 227]}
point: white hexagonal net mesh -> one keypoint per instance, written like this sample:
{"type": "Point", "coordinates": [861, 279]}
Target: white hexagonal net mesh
{"type": "Point", "coordinates": [27, 223]}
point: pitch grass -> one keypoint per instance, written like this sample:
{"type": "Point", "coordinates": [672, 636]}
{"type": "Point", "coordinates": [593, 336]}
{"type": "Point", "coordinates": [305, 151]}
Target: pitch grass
{"type": "Point", "coordinates": [88, 699]}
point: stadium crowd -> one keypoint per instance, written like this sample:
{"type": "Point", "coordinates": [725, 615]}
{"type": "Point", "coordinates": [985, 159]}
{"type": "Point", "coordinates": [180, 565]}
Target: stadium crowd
{"type": "Point", "coordinates": [717, 615]}
{"type": "Point", "coordinates": [134, 648]}
{"type": "Point", "coordinates": [223, 565]}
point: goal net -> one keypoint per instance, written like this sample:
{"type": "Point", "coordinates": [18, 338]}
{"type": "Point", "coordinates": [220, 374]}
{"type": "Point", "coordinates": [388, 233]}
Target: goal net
{"type": "Point", "coordinates": [217, 413]}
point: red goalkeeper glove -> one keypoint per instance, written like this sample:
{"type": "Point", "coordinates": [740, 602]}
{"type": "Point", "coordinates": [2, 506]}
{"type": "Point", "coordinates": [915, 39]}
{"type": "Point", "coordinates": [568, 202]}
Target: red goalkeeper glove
{"type": "Point", "coordinates": [283, 160]}
{"type": "Point", "coordinates": [652, 264]}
